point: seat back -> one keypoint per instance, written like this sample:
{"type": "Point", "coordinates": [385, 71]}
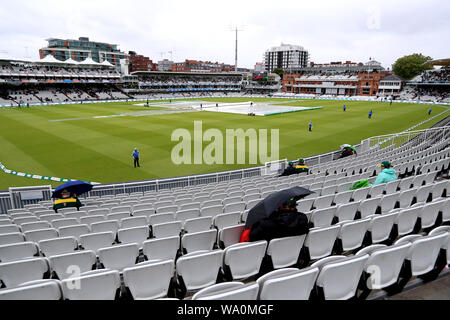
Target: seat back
{"type": "Point", "coordinates": [149, 281]}
{"type": "Point", "coordinates": [97, 286]}
{"type": "Point", "coordinates": [199, 241]}
{"type": "Point", "coordinates": [285, 252]}
{"type": "Point", "coordinates": [92, 219]}
{"type": "Point", "coordinates": [50, 290]}
{"type": "Point", "coordinates": [234, 207]}
{"type": "Point", "coordinates": [66, 222]}
{"type": "Point", "coordinates": [320, 241]}
{"type": "Point", "coordinates": [323, 217]}
{"type": "Point", "coordinates": [56, 246]}
{"type": "Point", "coordinates": [369, 207]}
{"type": "Point", "coordinates": [105, 226]}
{"type": "Point", "coordinates": [230, 235]}
{"type": "Point", "coordinates": [294, 286]}
{"type": "Point", "coordinates": [199, 270]}
{"type": "Point", "coordinates": [10, 228]}
{"type": "Point", "coordinates": [211, 211]}
{"type": "Point", "coordinates": [424, 252]}
{"type": "Point", "coordinates": [34, 226]}
{"type": "Point", "coordinates": [198, 224]}
{"type": "Point", "coordinates": [74, 231]}
{"type": "Point", "coordinates": [352, 233]}
{"type": "Point", "coordinates": [119, 257]}
{"type": "Point", "coordinates": [187, 214]}
{"type": "Point", "coordinates": [133, 235]}
{"type": "Point", "coordinates": [245, 292]}
{"type": "Point", "coordinates": [339, 280]}
{"type": "Point", "coordinates": [406, 197]}
{"type": "Point", "coordinates": [18, 251]}
{"type": "Point", "coordinates": [406, 220]}
{"type": "Point", "coordinates": [347, 211]}
{"type": "Point", "coordinates": [244, 259]}
{"type": "Point", "coordinates": [14, 273]}
{"type": "Point", "coordinates": [43, 234]}
{"type": "Point", "coordinates": [161, 249]}
{"type": "Point", "coordinates": [71, 265]}
{"type": "Point", "coordinates": [227, 220]}
{"type": "Point", "coordinates": [323, 201]}
{"type": "Point", "coordinates": [381, 226]}
{"type": "Point", "coordinates": [385, 264]}
{"type": "Point", "coordinates": [161, 218]}
{"type": "Point", "coordinates": [95, 241]}
{"type": "Point", "coordinates": [134, 222]}
{"type": "Point", "coordinates": [165, 230]}
{"type": "Point", "coordinates": [429, 213]}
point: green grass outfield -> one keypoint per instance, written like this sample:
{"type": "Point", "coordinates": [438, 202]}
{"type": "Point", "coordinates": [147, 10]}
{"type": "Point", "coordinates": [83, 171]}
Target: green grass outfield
{"type": "Point", "coordinates": [100, 149]}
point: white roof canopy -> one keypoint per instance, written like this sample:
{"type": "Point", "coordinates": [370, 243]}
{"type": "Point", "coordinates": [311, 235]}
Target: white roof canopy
{"type": "Point", "coordinates": [107, 63]}
{"type": "Point", "coordinates": [50, 59]}
{"type": "Point", "coordinates": [70, 61]}
{"type": "Point", "coordinates": [89, 62]}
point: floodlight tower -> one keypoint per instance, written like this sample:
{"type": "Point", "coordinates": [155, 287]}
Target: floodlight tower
{"type": "Point", "coordinates": [236, 48]}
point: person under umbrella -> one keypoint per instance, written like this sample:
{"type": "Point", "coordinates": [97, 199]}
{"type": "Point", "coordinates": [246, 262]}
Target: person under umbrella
{"type": "Point", "coordinates": [66, 195]}
{"type": "Point", "coordinates": [67, 200]}
{"type": "Point", "coordinates": [276, 217]}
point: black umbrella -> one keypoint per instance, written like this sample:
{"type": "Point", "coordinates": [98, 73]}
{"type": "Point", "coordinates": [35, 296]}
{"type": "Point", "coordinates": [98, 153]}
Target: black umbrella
{"type": "Point", "coordinates": [271, 204]}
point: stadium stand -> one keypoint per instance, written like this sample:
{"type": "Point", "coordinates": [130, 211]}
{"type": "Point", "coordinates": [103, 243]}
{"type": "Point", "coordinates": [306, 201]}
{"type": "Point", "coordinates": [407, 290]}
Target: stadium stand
{"type": "Point", "coordinates": [399, 231]}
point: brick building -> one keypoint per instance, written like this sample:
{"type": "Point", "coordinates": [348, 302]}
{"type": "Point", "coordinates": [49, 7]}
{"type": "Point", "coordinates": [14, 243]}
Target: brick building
{"type": "Point", "coordinates": [336, 78]}
{"type": "Point", "coordinates": [140, 63]}
{"type": "Point", "coordinates": [201, 66]}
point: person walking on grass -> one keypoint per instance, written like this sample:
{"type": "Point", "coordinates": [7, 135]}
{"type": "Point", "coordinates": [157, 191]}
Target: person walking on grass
{"type": "Point", "coordinates": [370, 114]}
{"type": "Point", "coordinates": [345, 107]}
{"type": "Point", "coordinates": [136, 157]}
{"type": "Point", "coordinates": [429, 111]}
{"type": "Point", "coordinates": [310, 126]}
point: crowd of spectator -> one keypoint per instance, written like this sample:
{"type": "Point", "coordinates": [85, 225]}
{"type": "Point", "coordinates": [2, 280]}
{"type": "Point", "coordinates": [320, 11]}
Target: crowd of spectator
{"type": "Point", "coordinates": [31, 69]}
{"type": "Point", "coordinates": [442, 75]}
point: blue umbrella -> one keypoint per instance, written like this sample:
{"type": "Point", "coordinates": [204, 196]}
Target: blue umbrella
{"type": "Point", "coordinates": [77, 187]}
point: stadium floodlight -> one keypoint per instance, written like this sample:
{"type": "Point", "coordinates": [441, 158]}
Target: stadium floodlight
{"type": "Point", "coordinates": [235, 29]}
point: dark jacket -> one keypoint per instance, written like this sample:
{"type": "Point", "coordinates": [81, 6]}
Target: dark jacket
{"type": "Point", "coordinates": [346, 153]}
{"type": "Point", "coordinates": [288, 171]}
{"type": "Point", "coordinates": [280, 224]}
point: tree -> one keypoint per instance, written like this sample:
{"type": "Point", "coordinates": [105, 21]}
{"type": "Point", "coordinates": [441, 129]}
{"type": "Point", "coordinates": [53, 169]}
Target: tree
{"type": "Point", "coordinates": [279, 71]}
{"type": "Point", "coordinates": [410, 66]}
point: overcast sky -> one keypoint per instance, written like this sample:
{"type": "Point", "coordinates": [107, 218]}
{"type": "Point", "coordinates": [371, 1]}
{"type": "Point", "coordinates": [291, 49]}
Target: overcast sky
{"type": "Point", "coordinates": [201, 29]}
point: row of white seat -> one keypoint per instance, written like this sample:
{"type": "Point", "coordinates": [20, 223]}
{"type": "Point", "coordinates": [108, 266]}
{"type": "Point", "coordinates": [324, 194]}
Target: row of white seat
{"type": "Point", "coordinates": [320, 242]}
{"type": "Point", "coordinates": [418, 153]}
{"type": "Point", "coordinates": [335, 277]}
{"type": "Point", "coordinates": [340, 196]}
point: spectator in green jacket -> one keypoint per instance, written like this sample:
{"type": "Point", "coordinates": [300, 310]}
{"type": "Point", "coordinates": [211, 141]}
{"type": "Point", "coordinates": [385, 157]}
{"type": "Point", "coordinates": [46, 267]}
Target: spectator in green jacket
{"type": "Point", "coordinates": [387, 174]}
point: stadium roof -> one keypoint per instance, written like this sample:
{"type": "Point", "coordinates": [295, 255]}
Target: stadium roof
{"type": "Point", "coordinates": [89, 62]}
{"type": "Point", "coordinates": [50, 59]}
{"type": "Point", "coordinates": [107, 63]}
{"type": "Point", "coordinates": [70, 61]}
{"type": "Point", "coordinates": [439, 62]}
{"type": "Point", "coordinates": [392, 77]}
{"type": "Point", "coordinates": [187, 73]}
